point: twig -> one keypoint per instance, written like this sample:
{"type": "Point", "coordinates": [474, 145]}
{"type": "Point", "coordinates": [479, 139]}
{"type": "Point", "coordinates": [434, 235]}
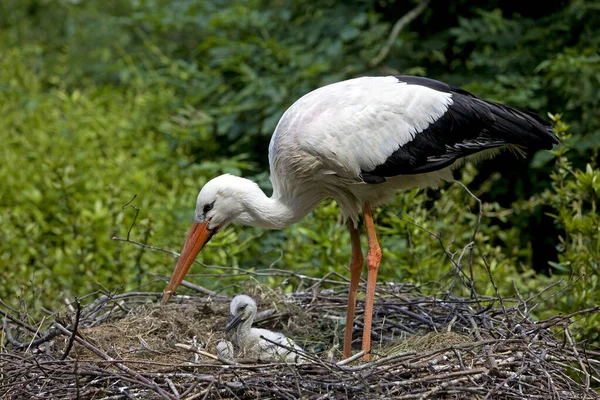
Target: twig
{"type": "Point", "coordinates": [69, 305]}
{"type": "Point", "coordinates": [172, 387]}
{"type": "Point", "coordinates": [489, 271]}
{"type": "Point", "coordinates": [398, 26]}
{"type": "Point", "coordinates": [75, 326]}
{"type": "Point", "coordinates": [473, 236]}
{"type": "Point", "coordinates": [492, 364]}
{"type": "Point", "coordinates": [9, 336]}
{"type": "Point", "coordinates": [137, 211]}
{"type": "Point", "coordinates": [198, 288]}
{"type": "Point", "coordinates": [195, 350]}
{"type": "Point", "coordinates": [576, 353]}
{"type": "Point", "coordinates": [292, 349]}
{"type": "Point", "coordinates": [505, 381]}
{"type": "Point", "coordinates": [351, 358]}
{"type": "Point", "coordinates": [147, 246]}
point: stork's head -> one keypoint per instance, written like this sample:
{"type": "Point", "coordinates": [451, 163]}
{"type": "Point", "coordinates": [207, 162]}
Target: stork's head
{"type": "Point", "coordinates": [220, 202]}
{"type": "Point", "coordinates": [242, 309]}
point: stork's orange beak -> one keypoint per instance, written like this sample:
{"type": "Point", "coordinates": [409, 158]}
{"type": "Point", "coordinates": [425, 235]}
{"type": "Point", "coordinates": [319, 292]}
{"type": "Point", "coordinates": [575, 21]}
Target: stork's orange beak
{"type": "Point", "coordinates": [199, 235]}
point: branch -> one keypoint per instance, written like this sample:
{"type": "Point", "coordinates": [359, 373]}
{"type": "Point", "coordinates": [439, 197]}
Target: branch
{"type": "Point", "coordinates": [75, 326]}
{"type": "Point", "coordinates": [137, 211]}
{"type": "Point", "coordinates": [197, 351]}
{"type": "Point", "coordinates": [475, 230]}
{"type": "Point", "coordinates": [146, 246]}
{"type": "Point", "coordinates": [398, 26]}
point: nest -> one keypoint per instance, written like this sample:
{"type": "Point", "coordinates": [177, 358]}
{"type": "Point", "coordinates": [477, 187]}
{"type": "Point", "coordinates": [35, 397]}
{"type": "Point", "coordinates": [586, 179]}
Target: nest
{"type": "Point", "coordinates": [126, 346]}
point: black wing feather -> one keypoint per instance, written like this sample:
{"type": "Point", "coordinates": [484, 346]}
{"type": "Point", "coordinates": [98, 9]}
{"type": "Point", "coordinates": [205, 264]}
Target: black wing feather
{"type": "Point", "coordinates": [470, 125]}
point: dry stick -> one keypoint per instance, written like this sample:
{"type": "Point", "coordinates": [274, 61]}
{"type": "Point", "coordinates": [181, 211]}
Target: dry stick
{"type": "Point", "coordinates": [350, 359]}
{"type": "Point", "coordinates": [398, 26]}
{"type": "Point", "coordinates": [571, 284]}
{"type": "Point", "coordinates": [69, 304]}
{"type": "Point", "coordinates": [19, 322]}
{"type": "Point", "coordinates": [172, 387]}
{"type": "Point", "coordinates": [522, 302]}
{"type": "Point", "coordinates": [431, 378]}
{"type": "Point", "coordinates": [560, 318]}
{"type": "Point", "coordinates": [545, 299]}
{"type": "Point", "coordinates": [139, 378]}
{"type": "Point", "coordinates": [460, 359]}
{"type": "Point", "coordinates": [459, 272]}
{"type": "Point", "coordinates": [197, 351]}
{"type": "Point", "coordinates": [489, 271]}
{"type": "Point", "coordinates": [505, 381]}
{"type": "Point", "coordinates": [475, 230]}
{"type": "Point", "coordinates": [380, 361]}
{"type": "Point", "coordinates": [199, 289]}
{"type": "Point", "coordinates": [324, 279]}
{"type": "Point", "coordinates": [576, 353]}
{"type": "Point", "coordinates": [147, 246]}
{"type": "Point", "coordinates": [555, 394]}
{"type": "Point", "coordinates": [11, 309]}
{"type": "Point", "coordinates": [492, 364]}
{"type": "Point", "coordinates": [9, 337]}
{"type": "Point", "coordinates": [300, 353]}
{"type": "Point", "coordinates": [137, 212]}
{"type": "Point", "coordinates": [441, 387]}
{"type": "Point", "coordinates": [544, 290]}
{"type": "Point", "coordinates": [570, 367]}
{"type": "Point", "coordinates": [75, 369]}
{"type": "Point", "coordinates": [268, 272]}
{"type": "Point", "coordinates": [191, 388]}
{"type": "Point", "coordinates": [75, 326]}
{"type": "Point", "coordinates": [204, 393]}
{"type": "Point", "coordinates": [429, 322]}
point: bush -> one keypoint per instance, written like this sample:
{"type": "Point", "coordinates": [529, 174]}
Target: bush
{"type": "Point", "coordinates": [101, 101]}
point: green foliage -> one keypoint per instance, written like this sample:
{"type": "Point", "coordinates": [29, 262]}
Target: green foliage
{"type": "Point", "coordinates": [71, 161]}
{"type": "Point", "coordinates": [104, 100]}
{"type": "Point", "coordinates": [101, 101]}
{"type": "Point", "coordinates": [574, 201]}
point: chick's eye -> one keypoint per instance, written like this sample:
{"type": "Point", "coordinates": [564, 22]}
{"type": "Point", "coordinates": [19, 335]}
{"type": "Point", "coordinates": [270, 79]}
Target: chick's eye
{"type": "Point", "coordinates": [242, 308]}
{"type": "Point", "coordinates": [207, 207]}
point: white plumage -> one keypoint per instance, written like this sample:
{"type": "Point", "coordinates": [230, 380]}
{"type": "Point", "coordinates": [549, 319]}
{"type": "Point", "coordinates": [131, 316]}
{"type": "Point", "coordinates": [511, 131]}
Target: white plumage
{"type": "Point", "coordinates": [327, 137]}
{"type": "Point", "coordinates": [333, 122]}
{"type": "Point", "coordinates": [251, 342]}
{"type": "Point", "coordinates": [358, 141]}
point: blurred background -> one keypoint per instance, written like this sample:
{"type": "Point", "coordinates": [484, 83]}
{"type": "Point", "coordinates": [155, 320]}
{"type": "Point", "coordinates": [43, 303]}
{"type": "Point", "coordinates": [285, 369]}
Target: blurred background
{"type": "Point", "coordinates": [104, 100]}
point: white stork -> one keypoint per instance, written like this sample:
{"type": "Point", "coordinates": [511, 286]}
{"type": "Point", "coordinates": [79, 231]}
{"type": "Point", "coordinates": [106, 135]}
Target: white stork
{"type": "Point", "coordinates": [358, 141]}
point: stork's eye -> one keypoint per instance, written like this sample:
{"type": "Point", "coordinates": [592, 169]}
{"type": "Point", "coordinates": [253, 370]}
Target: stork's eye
{"type": "Point", "coordinates": [208, 207]}
{"type": "Point", "coordinates": [242, 308]}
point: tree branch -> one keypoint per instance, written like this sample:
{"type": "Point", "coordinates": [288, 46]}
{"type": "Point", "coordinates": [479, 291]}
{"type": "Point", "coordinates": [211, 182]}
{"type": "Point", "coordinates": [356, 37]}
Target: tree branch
{"type": "Point", "coordinates": [398, 26]}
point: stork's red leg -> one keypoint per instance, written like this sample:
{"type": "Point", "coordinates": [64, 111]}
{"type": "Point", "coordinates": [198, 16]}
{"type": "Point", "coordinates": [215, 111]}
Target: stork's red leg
{"type": "Point", "coordinates": [373, 260]}
{"type": "Point", "coordinates": [356, 263]}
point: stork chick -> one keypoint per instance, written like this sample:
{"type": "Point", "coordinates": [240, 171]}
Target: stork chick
{"type": "Point", "coordinates": [250, 340]}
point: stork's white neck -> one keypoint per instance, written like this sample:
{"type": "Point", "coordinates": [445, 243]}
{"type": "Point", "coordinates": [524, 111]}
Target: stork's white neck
{"type": "Point", "coordinates": [278, 211]}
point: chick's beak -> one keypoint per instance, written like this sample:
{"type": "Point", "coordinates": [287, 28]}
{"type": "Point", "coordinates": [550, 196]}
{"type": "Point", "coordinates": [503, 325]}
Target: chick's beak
{"type": "Point", "coordinates": [232, 322]}
{"type": "Point", "coordinates": [199, 235]}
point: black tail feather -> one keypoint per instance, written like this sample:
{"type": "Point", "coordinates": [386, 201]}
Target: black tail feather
{"type": "Point", "coordinates": [520, 127]}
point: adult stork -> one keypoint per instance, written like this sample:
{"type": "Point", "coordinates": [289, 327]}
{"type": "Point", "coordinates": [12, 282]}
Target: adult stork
{"type": "Point", "coordinates": [358, 141]}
